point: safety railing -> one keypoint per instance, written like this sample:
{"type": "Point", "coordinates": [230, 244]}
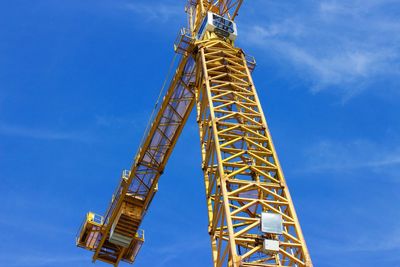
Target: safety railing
{"type": "Point", "coordinates": [98, 219]}
{"type": "Point", "coordinates": [114, 201]}
{"type": "Point", "coordinates": [140, 234]}
{"type": "Point", "coordinates": [125, 174]}
{"type": "Point", "coordinates": [90, 217]}
{"type": "Point", "coordinates": [79, 233]}
{"type": "Point", "coordinates": [183, 41]}
{"type": "Point", "coordinates": [251, 62]}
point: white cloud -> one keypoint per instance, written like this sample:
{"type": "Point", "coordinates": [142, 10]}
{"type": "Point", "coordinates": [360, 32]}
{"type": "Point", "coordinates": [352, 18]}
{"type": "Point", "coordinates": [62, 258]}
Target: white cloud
{"type": "Point", "coordinates": [171, 252]}
{"type": "Point", "coordinates": [362, 240]}
{"type": "Point", "coordinates": [156, 11]}
{"type": "Point", "coordinates": [391, 241]}
{"type": "Point", "coordinates": [353, 155]}
{"type": "Point", "coordinates": [111, 121]}
{"type": "Point", "coordinates": [346, 46]}
{"type": "Point", "coordinates": [38, 133]}
{"type": "Point", "coordinates": [40, 259]}
{"type": "Point", "coordinates": [353, 7]}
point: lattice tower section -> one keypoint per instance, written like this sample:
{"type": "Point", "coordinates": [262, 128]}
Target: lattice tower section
{"type": "Point", "coordinates": [242, 174]}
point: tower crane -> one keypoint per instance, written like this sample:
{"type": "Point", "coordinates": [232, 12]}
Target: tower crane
{"type": "Point", "coordinates": [251, 216]}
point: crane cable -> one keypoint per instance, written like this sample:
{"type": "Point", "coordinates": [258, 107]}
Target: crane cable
{"type": "Point", "coordinates": [157, 103]}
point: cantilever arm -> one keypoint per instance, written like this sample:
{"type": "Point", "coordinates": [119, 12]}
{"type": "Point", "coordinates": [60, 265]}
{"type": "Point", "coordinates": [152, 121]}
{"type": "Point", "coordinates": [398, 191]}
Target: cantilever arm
{"type": "Point", "coordinates": [141, 181]}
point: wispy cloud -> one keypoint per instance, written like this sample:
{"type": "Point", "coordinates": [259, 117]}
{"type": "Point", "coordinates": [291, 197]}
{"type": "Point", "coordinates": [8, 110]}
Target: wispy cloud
{"type": "Point", "coordinates": [361, 241]}
{"type": "Point", "coordinates": [177, 248]}
{"type": "Point", "coordinates": [40, 260]}
{"type": "Point", "coordinates": [155, 11]}
{"type": "Point", "coordinates": [47, 230]}
{"type": "Point", "coordinates": [118, 122]}
{"type": "Point", "coordinates": [40, 133]}
{"type": "Point", "coordinates": [343, 45]}
{"type": "Point", "coordinates": [388, 242]}
{"type": "Point", "coordinates": [90, 134]}
{"type": "Point", "coordinates": [353, 155]}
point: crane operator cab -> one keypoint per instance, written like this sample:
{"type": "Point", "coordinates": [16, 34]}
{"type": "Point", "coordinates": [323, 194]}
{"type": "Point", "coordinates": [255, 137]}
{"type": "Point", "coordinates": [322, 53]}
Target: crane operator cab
{"type": "Point", "coordinates": [219, 25]}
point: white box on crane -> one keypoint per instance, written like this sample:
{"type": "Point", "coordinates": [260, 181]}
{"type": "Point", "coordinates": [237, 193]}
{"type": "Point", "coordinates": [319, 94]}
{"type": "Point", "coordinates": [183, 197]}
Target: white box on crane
{"type": "Point", "coordinates": [271, 246]}
{"type": "Point", "coordinates": [218, 24]}
{"type": "Point", "coordinates": [271, 223]}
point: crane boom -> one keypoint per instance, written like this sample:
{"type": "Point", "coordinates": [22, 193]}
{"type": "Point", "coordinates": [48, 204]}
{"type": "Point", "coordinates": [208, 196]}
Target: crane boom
{"type": "Point", "coordinates": [139, 184]}
{"type": "Point", "coordinates": [252, 220]}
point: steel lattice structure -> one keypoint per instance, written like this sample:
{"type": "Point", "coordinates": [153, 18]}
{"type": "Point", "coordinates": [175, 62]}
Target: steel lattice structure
{"type": "Point", "coordinates": [242, 174]}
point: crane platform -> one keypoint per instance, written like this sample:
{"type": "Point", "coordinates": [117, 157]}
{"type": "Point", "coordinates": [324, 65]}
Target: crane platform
{"type": "Point", "coordinates": [124, 239]}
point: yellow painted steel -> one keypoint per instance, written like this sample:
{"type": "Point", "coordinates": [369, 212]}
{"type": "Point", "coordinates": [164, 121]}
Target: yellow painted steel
{"type": "Point", "coordinates": [243, 177]}
{"type": "Point", "coordinates": [242, 174]}
{"type": "Point", "coordinates": [139, 185]}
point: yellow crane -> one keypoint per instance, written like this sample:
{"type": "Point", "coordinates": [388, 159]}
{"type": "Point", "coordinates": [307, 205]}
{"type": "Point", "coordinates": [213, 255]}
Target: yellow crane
{"type": "Point", "coordinates": [252, 219]}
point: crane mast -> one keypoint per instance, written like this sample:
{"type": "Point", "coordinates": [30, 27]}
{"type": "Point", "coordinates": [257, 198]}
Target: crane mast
{"type": "Point", "coordinates": [252, 219]}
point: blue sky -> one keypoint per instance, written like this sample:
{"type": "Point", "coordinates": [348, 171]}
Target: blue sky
{"type": "Point", "coordinates": [79, 79]}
